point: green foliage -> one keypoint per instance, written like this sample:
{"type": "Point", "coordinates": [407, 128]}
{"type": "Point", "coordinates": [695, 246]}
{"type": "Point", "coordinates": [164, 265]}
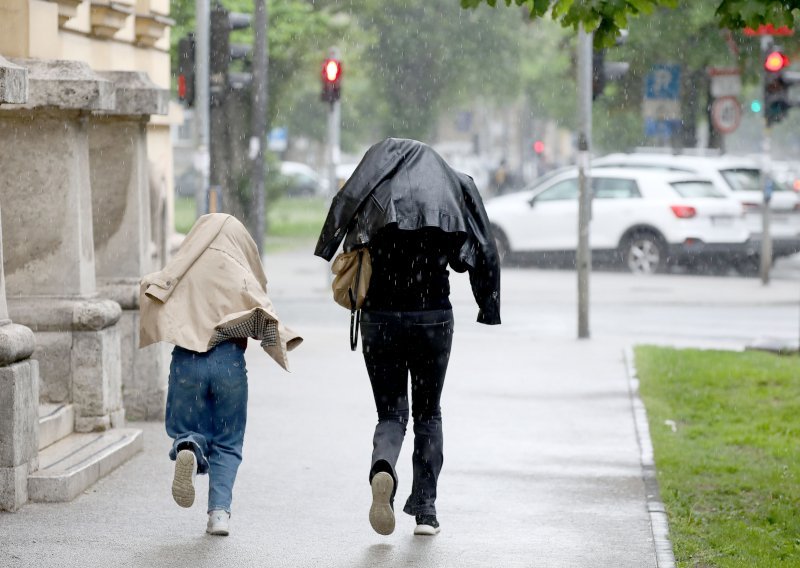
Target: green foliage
{"type": "Point", "coordinates": [607, 17]}
{"type": "Point", "coordinates": [603, 17]}
{"type": "Point", "coordinates": [425, 55]}
{"type": "Point", "coordinates": [729, 470]}
{"type": "Point", "coordinates": [736, 14]}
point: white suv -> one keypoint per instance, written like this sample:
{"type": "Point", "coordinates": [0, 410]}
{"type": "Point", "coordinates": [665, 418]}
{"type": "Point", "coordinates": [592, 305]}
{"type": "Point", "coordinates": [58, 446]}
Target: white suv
{"type": "Point", "coordinates": [740, 178]}
{"type": "Point", "coordinates": [646, 217]}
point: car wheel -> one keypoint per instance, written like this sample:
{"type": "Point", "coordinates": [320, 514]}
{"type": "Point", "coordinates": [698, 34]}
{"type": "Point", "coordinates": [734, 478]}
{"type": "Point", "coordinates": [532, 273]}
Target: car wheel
{"type": "Point", "coordinates": [749, 265]}
{"type": "Point", "coordinates": [501, 243]}
{"type": "Point", "coordinates": [644, 253]}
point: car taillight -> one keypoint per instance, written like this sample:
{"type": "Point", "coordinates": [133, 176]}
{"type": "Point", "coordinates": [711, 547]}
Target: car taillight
{"type": "Point", "coordinates": [683, 211]}
{"type": "Point", "coordinates": [751, 206]}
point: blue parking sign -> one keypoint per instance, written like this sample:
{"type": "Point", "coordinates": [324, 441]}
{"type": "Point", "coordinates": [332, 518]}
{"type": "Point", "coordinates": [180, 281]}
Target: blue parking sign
{"type": "Point", "coordinates": [663, 82]}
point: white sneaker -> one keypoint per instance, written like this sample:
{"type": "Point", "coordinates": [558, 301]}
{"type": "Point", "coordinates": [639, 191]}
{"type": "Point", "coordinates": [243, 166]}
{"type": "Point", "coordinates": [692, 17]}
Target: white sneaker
{"type": "Point", "coordinates": [427, 525]}
{"type": "Point", "coordinates": [218, 522]}
{"type": "Point", "coordinates": [381, 513]}
{"type": "Point", "coordinates": [183, 482]}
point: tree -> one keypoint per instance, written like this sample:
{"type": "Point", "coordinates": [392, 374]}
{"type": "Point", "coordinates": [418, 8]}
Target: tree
{"type": "Point", "coordinates": [606, 18]}
{"type": "Point", "coordinates": [425, 55]}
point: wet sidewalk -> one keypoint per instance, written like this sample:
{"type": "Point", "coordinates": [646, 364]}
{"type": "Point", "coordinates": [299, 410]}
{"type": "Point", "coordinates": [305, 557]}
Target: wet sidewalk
{"type": "Point", "coordinates": [542, 463]}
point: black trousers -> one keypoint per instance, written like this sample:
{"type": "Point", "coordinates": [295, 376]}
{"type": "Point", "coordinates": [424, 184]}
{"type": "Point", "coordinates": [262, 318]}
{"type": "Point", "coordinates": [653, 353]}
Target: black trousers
{"type": "Point", "coordinates": [396, 344]}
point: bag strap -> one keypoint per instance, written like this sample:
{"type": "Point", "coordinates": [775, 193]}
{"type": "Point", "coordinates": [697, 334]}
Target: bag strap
{"type": "Point", "coordinates": [355, 315]}
{"type": "Point", "coordinates": [355, 321]}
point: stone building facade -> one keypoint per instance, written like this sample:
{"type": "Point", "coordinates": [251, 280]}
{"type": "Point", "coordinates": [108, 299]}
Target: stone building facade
{"type": "Point", "coordinates": [85, 207]}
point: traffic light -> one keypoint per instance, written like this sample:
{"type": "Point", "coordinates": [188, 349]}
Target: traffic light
{"type": "Point", "coordinates": [223, 52]}
{"type": "Point", "coordinates": [186, 65]}
{"type": "Point", "coordinates": [604, 71]}
{"type": "Point", "coordinates": [331, 80]}
{"type": "Point", "coordinates": [776, 87]}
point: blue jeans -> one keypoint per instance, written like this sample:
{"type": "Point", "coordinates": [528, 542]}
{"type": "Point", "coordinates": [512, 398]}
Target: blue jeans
{"type": "Point", "coordinates": [397, 344]}
{"type": "Point", "coordinates": [207, 412]}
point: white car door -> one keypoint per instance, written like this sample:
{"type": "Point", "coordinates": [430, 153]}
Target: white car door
{"type": "Point", "coordinates": [552, 222]}
{"type": "Point", "coordinates": [615, 203]}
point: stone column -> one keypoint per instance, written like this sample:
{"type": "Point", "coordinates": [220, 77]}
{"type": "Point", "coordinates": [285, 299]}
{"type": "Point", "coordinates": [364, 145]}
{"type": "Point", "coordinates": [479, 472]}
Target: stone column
{"type": "Point", "coordinates": [50, 269]}
{"type": "Point", "coordinates": [124, 251]}
{"type": "Point", "coordinates": [19, 375]}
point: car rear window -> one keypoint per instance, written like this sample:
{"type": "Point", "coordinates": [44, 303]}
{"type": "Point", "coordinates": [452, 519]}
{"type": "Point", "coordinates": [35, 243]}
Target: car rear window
{"type": "Point", "coordinates": [749, 179]}
{"type": "Point", "coordinates": [696, 189]}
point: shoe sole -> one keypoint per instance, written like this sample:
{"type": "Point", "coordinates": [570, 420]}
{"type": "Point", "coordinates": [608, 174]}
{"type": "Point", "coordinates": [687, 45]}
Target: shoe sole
{"type": "Point", "coordinates": [381, 515]}
{"type": "Point", "coordinates": [218, 532]}
{"type": "Point", "coordinates": [426, 530]}
{"type": "Point", "coordinates": [183, 483]}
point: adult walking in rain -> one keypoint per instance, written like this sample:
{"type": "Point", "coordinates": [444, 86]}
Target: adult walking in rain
{"type": "Point", "coordinates": [207, 301]}
{"type": "Point", "coordinates": [416, 216]}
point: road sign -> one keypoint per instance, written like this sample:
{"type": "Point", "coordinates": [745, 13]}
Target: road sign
{"type": "Point", "coordinates": [278, 139]}
{"type": "Point", "coordinates": [726, 113]}
{"type": "Point", "coordinates": [662, 107]}
{"type": "Point", "coordinates": [663, 82]}
{"type": "Point", "coordinates": [725, 82]}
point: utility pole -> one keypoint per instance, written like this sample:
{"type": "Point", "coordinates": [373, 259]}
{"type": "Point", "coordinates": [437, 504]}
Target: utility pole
{"type": "Point", "coordinates": [201, 104]}
{"type": "Point", "coordinates": [766, 191]}
{"type": "Point", "coordinates": [331, 91]}
{"type": "Point", "coordinates": [583, 255]}
{"type": "Point", "coordinates": [259, 117]}
{"type": "Point", "coordinates": [766, 148]}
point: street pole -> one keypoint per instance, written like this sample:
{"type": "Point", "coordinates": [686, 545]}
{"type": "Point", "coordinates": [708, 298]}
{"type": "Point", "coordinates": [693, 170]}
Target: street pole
{"type": "Point", "coordinates": [201, 104]}
{"type": "Point", "coordinates": [259, 117]}
{"type": "Point", "coordinates": [766, 237]}
{"type": "Point", "coordinates": [334, 130]}
{"type": "Point", "coordinates": [583, 255]}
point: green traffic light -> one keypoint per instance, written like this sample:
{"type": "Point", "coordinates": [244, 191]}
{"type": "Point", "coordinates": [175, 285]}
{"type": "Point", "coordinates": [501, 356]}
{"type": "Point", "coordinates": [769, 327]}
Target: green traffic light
{"type": "Point", "coordinates": [755, 106]}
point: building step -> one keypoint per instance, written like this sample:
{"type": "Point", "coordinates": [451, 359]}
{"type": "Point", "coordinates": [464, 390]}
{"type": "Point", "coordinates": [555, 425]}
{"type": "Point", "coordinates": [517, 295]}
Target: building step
{"type": "Point", "coordinates": [56, 421]}
{"type": "Point", "coordinates": [72, 464]}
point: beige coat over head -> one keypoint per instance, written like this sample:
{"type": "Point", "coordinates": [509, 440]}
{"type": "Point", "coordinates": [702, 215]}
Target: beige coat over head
{"type": "Point", "coordinates": [215, 281]}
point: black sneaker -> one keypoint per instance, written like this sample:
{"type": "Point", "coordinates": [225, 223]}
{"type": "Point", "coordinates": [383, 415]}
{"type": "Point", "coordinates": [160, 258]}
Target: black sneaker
{"type": "Point", "coordinates": [427, 525]}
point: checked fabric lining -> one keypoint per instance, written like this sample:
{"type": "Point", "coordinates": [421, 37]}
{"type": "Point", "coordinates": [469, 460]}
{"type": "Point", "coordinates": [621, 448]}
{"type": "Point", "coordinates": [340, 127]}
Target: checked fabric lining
{"type": "Point", "coordinates": [258, 326]}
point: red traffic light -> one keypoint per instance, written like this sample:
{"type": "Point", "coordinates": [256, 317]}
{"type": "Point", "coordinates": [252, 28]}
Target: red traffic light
{"type": "Point", "coordinates": [776, 61]}
{"type": "Point", "coordinates": [538, 146]}
{"type": "Point", "coordinates": [182, 87]}
{"type": "Point", "coordinates": [331, 70]}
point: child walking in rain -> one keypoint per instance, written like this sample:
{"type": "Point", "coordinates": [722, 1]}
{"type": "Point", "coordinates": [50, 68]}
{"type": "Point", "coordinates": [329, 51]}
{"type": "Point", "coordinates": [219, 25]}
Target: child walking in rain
{"type": "Point", "coordinates": [207, 301]}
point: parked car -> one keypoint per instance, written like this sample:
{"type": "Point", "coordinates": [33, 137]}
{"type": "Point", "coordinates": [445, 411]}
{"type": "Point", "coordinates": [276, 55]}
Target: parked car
{"type": "Point", "coordinates": [644, 217]}
{"type": "Point", "coordinates": [302, 180]}
{"type": "Point", "coordinates": [740, 178]}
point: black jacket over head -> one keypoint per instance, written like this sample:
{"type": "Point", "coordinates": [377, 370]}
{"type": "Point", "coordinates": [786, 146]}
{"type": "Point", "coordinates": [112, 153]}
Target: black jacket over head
{"type": "Point", "coordinates": [405, 182]}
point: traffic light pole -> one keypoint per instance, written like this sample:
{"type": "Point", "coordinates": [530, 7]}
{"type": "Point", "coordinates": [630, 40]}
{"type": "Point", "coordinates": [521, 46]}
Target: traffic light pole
{"type": "Point", "coordinates": [334, 147]}
{"type": "Point", "coordinates": [583, 255]}
{"type": "Point", "coordinates": [766, 236]}
{"type": "Point", "coordinates": [201, 104]}
{"type": "Point", "coordinates": [766, 149]}
{"type": "Point", "coordinates": [334, 133]}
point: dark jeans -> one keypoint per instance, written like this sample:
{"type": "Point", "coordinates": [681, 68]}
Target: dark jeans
{"type": "Point", "coordinates": [396, 343]}
{"type": "Point", "coordinates": [207, 413]}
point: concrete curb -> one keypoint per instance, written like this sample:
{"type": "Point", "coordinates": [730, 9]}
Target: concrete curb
{"type": "Point", "coordinates": [655, 507]}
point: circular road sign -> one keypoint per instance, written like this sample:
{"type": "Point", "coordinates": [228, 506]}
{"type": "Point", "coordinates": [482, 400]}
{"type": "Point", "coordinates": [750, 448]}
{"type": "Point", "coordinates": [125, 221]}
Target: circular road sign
{"type": "Point", "coordinates": [726, 113]}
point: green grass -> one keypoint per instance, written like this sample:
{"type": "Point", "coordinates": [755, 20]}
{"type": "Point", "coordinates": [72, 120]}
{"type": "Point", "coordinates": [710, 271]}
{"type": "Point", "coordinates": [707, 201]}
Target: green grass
{"type": "Point", "coordinates": [291, 222]}
{"type": "Point", "coordinates": [730, 473]}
